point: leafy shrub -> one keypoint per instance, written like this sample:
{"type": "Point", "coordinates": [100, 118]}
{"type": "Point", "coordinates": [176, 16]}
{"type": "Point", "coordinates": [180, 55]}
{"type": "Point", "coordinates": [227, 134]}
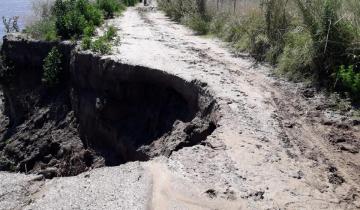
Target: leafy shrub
{"type": "Point", "coordinates": [197, 23]}
{"type": "Point", "coordinates": [331, 35]}
{"type": "Point", "coordinates": [296, 61]}
{"type": "Point", "coordinates": [277, 20]}
{"type": "Point", "coordinates": [247, 34]}
{"type": "Point", "coordinates": [72, 24]}
{"type": "Point", "coordinates": [109, 7]}
{"type": "Point", "coordinates": [349, 80]}
{"type": "Point", "coordinates": [129, 3]}
{"type": "Point", "coordinates": [52, 68]}
{"type": "Point", "coordinates": [232, 31]}
{"type": "Point", "coordinates": [177, 9]}
{"type": "Point", "coordinates": [43, 30]}
{"type": "Point", "coordinates": [101, 45]}
{"type": "Point", "coordinates": [86, 43]}
{"type": "Point", "coordinates": [74, 16]}
{"type": "Point", "coordinates": [110, 33]}
{"type": "Point", "coordinates": [89, 30]}
{"type": "Point", "coordinates": [217, 23]}
{"type": "Point", "coordinates": [90, 12]}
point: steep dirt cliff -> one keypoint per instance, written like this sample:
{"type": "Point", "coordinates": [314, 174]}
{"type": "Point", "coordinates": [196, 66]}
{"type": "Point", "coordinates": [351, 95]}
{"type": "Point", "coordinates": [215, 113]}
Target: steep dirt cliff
{"type": "Point", "coordinates": [102, 113]}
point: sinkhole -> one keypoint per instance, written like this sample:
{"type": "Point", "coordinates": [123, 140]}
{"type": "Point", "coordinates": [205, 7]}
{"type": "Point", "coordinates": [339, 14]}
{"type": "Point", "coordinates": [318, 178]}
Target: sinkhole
{"type": "Point", "coordinates": [134, 113]}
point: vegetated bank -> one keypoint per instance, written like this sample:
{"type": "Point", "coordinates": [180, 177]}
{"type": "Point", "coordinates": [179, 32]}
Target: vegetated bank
{"type": "Point", "coordinates": [77, 20]}
{"type": "Point", "coordinates": [68, 110]}
{"type": "Point", "coordinates": [314, 41]}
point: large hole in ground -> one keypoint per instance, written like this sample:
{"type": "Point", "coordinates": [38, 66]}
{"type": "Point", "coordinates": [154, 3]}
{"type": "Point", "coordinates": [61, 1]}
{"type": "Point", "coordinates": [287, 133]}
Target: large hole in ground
{"type": "Point", "coordinates": [139, 121]}
{"type": "Point", "coordinates": [129, 113]}
{"type": "Point", "coordinates": [113, 113]}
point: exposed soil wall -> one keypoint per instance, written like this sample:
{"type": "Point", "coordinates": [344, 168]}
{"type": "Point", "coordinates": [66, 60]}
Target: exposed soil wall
{"type": "Point", "coordinates": [25, 59]}
{"type": "Point", "coordinates": [105, 113]}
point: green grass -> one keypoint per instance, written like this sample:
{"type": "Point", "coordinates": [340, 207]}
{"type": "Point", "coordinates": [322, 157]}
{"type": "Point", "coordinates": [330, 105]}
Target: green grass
{"type": "Point", "coordinates": [101, 44]}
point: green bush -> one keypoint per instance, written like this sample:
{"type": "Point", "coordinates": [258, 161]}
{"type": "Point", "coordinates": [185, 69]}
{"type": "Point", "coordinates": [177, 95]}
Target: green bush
{"type": "Point", "coordinates": [232, 31]}
{"type": "Point", "coordinates": [177, 9]}
{"type": "Point", "coordinates": [72, 24]}
{"type": "Point", "coordinates": [101, 45]}
{"type": "Point", "coordinates": [277, 21]}
{"type": "Point", "coordinates": [349, 80]}
{"type": "Point", "coordinates": [110, 33]}
{"type": "Point", "coordinates": [129, 3]}
{"type": "Point", "coordinates": [74, 16]}
{"type": "Point", "coordinates": [197, 23]}
{"type": "Point", "coordinates": [52, 68]}
{"type": "Point", "coordinates": [296, 61]}
{"type": "Point", "coordinates": [89, 30]}
{"type": "Point", "coordinates": [109, 7]}
{"type": "Point", "coordinates": [91, 13]}
{"type": "Point", "coordinates": [247, 34]}
{"type": "Point", "coordinates": [217, 23]}
{"type": "Point", "coordinates": [86, 43]}
{"type": "Point", "coordinates": [331, 35]}
{"type": "Point", "coordinates": [43, 30]}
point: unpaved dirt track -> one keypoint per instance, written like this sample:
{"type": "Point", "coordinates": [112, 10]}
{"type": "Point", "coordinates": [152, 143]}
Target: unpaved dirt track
{"type": "Point", "coordinates": [277, 146]}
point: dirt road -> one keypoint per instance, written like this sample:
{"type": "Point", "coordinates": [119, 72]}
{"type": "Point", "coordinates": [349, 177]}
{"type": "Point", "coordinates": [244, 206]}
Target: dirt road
{"type": "Point", "coordinates": [277, 144]}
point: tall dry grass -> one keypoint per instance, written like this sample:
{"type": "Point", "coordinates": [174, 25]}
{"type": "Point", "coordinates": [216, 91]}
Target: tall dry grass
{"type": "Point", "coordinates": [317, 40]}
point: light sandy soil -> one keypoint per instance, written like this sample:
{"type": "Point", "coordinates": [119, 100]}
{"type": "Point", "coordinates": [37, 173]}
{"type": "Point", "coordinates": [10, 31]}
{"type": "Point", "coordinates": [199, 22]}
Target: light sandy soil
{"type": "Point", "coordinates": [277, 145]}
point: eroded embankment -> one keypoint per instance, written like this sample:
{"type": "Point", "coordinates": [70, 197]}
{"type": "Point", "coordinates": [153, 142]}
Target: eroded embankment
{"type": "Point", "coordinates": [103, 113]}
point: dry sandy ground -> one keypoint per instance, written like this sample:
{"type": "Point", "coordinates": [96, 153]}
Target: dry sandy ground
{"type": "Point", "coordinates": [277, 145]}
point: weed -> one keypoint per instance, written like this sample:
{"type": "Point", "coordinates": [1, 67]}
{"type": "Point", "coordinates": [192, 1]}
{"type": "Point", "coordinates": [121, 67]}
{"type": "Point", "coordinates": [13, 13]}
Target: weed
{"type": "Point", "coordinates": [129, 3]}
{"type": "Point", "coordinates": [52, 68]}
{"type": "Point", "coordinates": [349, 80]}
{"type": "Point", "coordinates": [109, 7]}
{"type": "Point", "coordinates": [74, 16]}
{"type": "Point", "coordinates": [197, 23]}
{"type": "Point", "coordinates": [110, 33]}
{"type": "Point", "coordinates": [86, 43]}
{"type": "Point", "coordinates": [296, 61]}
{"type": "Point", "coordinates": [43, 30]}
{"type": "Point", "coordinates": [89, 30]}
{"type": "Point", "coordinates": [101, 45]}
